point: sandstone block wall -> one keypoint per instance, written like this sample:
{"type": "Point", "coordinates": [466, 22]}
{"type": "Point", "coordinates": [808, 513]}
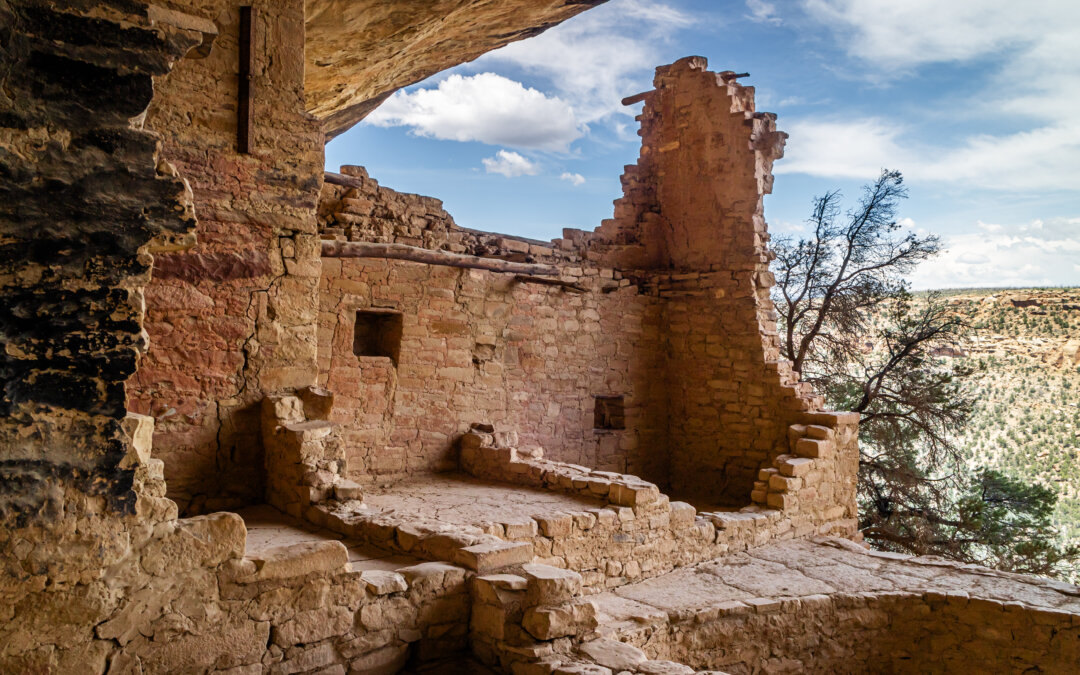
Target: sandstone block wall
{"type": "Point", "coordinates": [675, 315]}
{"type": "Point", "coordinates": [233, 317]}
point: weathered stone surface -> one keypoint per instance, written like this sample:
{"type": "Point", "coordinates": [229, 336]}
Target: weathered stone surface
{"type": "Point", "coordinates": [550, 585]}
{"type": "Point", "coordinates": [551, 622]}
{"type": "Point", "coordinates": [385, 661]}
{"type": "Point", "coordinates": [492, 556]}
{"type": "Point", "coordinates": [200, 541]}
{"type": "Point", "coordinates": [297, 560]}
{"type": "Point", "coordinates": [358, 53]}
{"type": "Point", "coordinates": [613, 654]}
{"type": "Point", "coordinates": [381, 582]}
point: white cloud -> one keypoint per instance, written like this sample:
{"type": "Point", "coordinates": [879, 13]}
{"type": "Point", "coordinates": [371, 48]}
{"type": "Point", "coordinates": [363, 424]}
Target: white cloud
{"type": "Point", "coordinates": [846, 149]}
{"type": "Point", "coordinates": [896, 35]}
{"type": "Point", "coordinates": [597, 58]}
{"type": "Point", "coordinates": [1003, 255]}
{"type": "Point", "coordinates": [509, 164]}
{"type": "Point", "coordinates": [1043, 159]}
{"type": "Point", "coordinates": [1034, 56]}
{"type": "Point", "coordinates": [762, 11]}
{"type": "Point", "coordinates": [484, 107]}
{"type": "Point", "coordinates": [575, 178]}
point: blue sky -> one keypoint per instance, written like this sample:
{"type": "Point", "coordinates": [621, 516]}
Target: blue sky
{"type": "Point", "coordinates": [978, 103]}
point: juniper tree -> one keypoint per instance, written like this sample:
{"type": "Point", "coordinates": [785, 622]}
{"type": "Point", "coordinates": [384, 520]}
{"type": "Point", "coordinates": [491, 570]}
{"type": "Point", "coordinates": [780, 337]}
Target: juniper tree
{"type": "Point", "coordinates": [850, 326]}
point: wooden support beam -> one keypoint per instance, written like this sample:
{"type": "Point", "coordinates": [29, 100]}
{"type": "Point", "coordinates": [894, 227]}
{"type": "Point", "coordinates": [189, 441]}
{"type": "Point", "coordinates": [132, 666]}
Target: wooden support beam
{"type": "Point", "coordinates": [544, 281]}
{"type": "Point", "coordinates": [245, 136]}
{"type": "Point", "coordinates": [356, 249]}
{"type": "Point", "coordinates": [335, 178]}
{"type": "Point", "coordinates": [638, 98]}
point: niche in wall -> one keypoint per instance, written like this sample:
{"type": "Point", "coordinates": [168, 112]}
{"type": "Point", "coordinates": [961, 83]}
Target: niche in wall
{"type": "Point", "coordinates": [608, 413]}
{"type": "Point", "coordinates": [377, 333]}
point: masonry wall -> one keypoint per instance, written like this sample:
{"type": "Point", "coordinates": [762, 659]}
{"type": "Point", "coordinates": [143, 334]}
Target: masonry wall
{"type": "Point", "coordinates": [675, 314]}
{"type": "Point", "coordinates": [693, 205]}
{"type": "Point", "coordinates": [233, 317]}
{"type": "Point", "coordinates": [482, 347]}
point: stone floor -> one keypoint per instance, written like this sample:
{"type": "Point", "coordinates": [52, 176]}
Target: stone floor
{"type": "Point", "coordinates": [458, 499]}
{"type": "Point", "coordinates": [269, 528]}
{"type": "Point", "coordinates": [802, 568]}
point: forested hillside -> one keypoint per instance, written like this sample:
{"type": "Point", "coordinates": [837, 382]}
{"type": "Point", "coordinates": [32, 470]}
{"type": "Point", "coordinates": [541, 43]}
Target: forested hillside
{"type": "Point", "coordinates": [1026, 343]}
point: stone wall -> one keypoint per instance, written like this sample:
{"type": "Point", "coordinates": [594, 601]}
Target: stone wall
{"type": "Point", "coordinates": [693, 213]}
{"type": "Point", "coordinates": [479, 345]}
{"type": "Point", "coordinates": [675, 315]}
{"type": "Point", "coordinates": [233, 318]}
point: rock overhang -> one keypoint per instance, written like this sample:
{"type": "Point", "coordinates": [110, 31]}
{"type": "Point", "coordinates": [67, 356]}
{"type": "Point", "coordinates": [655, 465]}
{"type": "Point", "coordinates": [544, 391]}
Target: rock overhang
{"type": "Point", "coordinates": [359, 52]}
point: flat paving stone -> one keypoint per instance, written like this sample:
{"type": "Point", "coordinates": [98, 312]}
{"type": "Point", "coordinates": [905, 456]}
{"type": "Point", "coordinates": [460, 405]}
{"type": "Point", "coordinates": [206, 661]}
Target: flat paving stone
{"type": "Point", "coordinates": [805, 568]}
{"type": "Point", "coordinates": [458, 499]}
{"type": "Point", "coordinates": [269, 528]}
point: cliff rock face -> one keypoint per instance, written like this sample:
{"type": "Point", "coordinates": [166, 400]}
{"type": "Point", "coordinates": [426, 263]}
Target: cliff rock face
{"type": "Point", "coordinates": [358, 52]}
{"type": "Point", "coordinates": [81, 193]}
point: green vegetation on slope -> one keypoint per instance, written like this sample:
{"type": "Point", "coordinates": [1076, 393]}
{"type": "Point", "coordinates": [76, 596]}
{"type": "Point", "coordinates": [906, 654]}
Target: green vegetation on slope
{"type": "Point", "coordinates": [1026, 343]}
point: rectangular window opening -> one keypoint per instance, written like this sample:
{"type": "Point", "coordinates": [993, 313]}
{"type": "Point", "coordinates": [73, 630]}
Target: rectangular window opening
{"type": "Point", "coordinates": [377, 334]}
{"type": "Point", "coordinates": [609, 413]}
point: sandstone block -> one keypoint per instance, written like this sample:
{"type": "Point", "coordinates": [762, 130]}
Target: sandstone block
{"type": "Point", "coordinates": [682, 515]}
{"type": "Point", "coordinates": [550, 585]}
{"type": "Point", "coordinates": [345, 490]}
{"type": "Point", "coordinates": [613, 654]}
{"type": "Point", "coordinates": [795, 466]}
{"type": "Point", "coordinates": [764, 605]}
{"type": "Point", "coordinates": [558, 525]}
{"type": "Point", "coordinates": [318, 402]}
{"type": "Point", "coordinates": [200, 541]}
{"type": "Point", "coordinates": [551, 622]}
{"type": "Point", "coordinates": [489, 621]}
{"type": "Point", "coordinates": [312, 626]}
{"type": "Point", "coordinates": [630, 494]}
{"type": "Point", "coordinates": [525, 528]}
{"type": "Point", "coordinates": [809, 447]}
{"type": "Point", "coordinates": [816, 431]}
{"type": "Point", "coordinates": [781, 501]}
{"type": "Point", "coordinates": [430, 576]}
{"type": "Point", "coordinates": [284, 562]}
{"type": "Point", "coordinates": [488, 557]}
{"type": "Point", "coordinates": [381, 582]}
{"type": "Point", "coordinates": [140, 433]}
{"type": "Point", "coordinates": [784, 484]}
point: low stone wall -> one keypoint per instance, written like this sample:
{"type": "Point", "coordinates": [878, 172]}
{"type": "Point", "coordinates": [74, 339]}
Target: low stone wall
{"type": "Point", "coordinates": [872, 633]}
{"type": "Point", "coordinates": [764, 615]}
{"type": "Point", "coordinates": [190, 601]}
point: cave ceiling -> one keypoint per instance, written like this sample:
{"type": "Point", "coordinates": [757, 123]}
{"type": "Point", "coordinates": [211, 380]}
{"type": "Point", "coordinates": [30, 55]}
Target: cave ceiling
{"type": "Point", "coordinates": [358, 52]}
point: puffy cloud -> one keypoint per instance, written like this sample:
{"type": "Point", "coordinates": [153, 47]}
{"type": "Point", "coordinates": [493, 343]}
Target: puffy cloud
{"type": "Point", "coordinates": [1035, 253]}
{"type": "Point", "coordinates": [574, 178]}
{"type": "Point", "coordinates": [596, 59]}
{"type": "Point", "coordinates": [484, 107]}
{"type": "Point", "coordinates": [509, 164]}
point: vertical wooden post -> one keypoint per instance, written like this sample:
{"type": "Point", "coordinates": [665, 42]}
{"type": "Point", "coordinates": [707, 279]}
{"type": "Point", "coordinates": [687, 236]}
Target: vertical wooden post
{"type": "Point", "coordinates": [245, 137]}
